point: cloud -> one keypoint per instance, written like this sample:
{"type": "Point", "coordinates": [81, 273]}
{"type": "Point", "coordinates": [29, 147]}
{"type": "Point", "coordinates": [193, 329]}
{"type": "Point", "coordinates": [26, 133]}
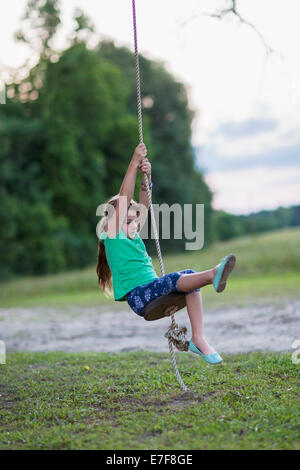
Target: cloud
{"type": "Point", "coordinates": [210, 160]}
{"type": "Point", "coordinates": [251, 190]}
{"type": "Point", "coordinates": [247, 128]}
{"type": "Point", "coordinates": [236, 146]}
{"type": "Point", "coordinates": [252, 165]}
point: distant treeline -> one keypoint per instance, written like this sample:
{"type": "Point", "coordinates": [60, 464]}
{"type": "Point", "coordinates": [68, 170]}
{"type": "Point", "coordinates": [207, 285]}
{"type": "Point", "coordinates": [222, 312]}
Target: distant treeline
{"type": "Point", "coordinates": [227, 226]}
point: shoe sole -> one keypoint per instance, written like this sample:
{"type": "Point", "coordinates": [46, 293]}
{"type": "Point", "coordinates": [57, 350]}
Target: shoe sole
{"type": "Point", "coordinates": [226, 271]}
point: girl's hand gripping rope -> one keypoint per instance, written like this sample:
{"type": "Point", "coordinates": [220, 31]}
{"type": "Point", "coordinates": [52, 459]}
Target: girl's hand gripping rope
{"type": "Point", "coordinates": [145, 167]}
{"type": "Point", "coordinates": [139, 153]}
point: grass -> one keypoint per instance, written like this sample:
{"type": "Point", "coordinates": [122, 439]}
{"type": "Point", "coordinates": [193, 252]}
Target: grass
{"type": "Point", "coordinates": [268, 266]}
{"type": "Point", "coordinates": [132, 401]}
{"type": "Point", "coordinates": [240, 291]}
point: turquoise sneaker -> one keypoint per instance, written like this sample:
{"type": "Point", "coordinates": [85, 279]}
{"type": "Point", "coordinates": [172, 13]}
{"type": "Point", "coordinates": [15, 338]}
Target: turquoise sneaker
{"type": "Point", "coordinates": [213, 358]}
{"type": "Point", "coordinates": [225, 268]}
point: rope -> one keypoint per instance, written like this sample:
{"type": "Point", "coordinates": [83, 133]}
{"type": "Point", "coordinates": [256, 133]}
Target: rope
{"type": "Point", "coordinates": [173, 326]}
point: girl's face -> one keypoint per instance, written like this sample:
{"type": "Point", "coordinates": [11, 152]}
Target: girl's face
{"type": "Point", "coordinates": [130, 224]}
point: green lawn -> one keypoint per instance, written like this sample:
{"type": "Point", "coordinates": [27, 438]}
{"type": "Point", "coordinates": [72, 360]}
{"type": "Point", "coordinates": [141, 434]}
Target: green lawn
{"type": "Point", "coordinates": [132, 401]}
{"type": "Point", "coordinates": [268, 267]}
{"type": "Point", "coordinates": [239, 291]}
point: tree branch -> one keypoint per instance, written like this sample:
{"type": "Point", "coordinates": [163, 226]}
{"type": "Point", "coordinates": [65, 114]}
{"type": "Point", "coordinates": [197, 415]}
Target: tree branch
{"type": "Point", "coordinates": [232, 10]}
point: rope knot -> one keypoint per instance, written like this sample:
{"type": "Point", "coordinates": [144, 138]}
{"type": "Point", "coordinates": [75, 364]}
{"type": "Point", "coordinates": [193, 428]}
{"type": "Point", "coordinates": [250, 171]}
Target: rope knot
{"type": "Point", "coordinates": [177, 336]}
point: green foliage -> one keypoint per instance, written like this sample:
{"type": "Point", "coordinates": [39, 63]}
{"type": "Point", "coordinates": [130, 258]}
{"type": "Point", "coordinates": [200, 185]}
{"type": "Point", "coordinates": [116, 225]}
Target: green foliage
{"type": "Point", "coordinates": [61, 151]}
{"type": "Point", "coordinates": [83, 23]}
{"type": "Point", "coordinates": [295, 216]}
{"type": "Point", "coordinates": [42, 18]}
{"type": "Point", "coordinates": [227, 226]}
{"type": "Point", "coordinates": [68, 133]}
{"type": "Point", "coordinates": [29, 240]}
{"type": "Point", "coordinates": [270, 220]}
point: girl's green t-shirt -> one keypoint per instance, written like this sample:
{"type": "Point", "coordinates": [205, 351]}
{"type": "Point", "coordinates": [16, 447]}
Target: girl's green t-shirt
{"type": "Point", "coordinates": [129, 262]}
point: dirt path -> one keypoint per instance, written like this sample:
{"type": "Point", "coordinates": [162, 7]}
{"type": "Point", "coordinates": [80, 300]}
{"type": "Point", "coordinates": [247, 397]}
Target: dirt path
{"type": "Point", "coordinates": [240, 329]}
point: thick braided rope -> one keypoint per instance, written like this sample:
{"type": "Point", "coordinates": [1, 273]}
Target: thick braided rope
{"type": "Point", "coordinates": [140, 125]}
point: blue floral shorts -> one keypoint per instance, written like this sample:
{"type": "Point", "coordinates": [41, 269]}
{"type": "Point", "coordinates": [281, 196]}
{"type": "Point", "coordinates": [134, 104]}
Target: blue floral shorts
{"type": "Point", "coordinates": [142, 295]}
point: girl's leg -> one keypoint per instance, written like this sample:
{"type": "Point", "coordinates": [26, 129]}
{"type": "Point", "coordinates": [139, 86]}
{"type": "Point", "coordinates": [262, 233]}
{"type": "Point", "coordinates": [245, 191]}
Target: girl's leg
{"type": "Point", "coordinates": [195, 311]}
{"type": "Point", "coordinates": [192, 281]}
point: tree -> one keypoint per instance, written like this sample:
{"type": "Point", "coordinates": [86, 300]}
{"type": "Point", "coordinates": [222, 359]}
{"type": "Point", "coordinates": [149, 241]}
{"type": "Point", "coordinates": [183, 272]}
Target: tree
{"type": "Point", "coordinates": [230, 8]}
{"type": "Point", "coordinates": [30, 239]}
{"type": "Point", "coordinates": [295, 216]}
{"type": "Point", "coordinates": [226, 225]}
{"type": "Point", "coordinates": [84, 99]}
{"type": "Point", "coordinates": [67, 135]}
{"type": "Point", "coordinates": [84, 27]}
{"type": "Point", "coordinates": [43, 18]}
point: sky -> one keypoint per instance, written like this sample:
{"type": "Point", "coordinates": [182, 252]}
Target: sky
{"type": "Point", "coordinates": [247, 104]}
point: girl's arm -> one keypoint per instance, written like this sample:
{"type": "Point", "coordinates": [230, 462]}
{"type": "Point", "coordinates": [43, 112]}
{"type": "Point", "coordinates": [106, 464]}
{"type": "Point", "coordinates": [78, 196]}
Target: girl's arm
{"type": "Point", "coordinates": [126, 192]}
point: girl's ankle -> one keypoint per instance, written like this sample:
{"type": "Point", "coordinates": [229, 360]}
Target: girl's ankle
{"type": "Point", "coordinates": [214, 272]}
{"type": "Point", "coordinates": [198, 338]}
{"type": "Point", "coordinates": [201, 343]}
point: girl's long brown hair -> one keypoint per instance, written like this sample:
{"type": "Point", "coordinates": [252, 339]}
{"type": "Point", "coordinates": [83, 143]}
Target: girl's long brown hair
{"type": "Point", "coordinates": [103, 270]}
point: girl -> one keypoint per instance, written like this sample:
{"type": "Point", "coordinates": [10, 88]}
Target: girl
{"type": "Point", "coordinates": [125, 269]}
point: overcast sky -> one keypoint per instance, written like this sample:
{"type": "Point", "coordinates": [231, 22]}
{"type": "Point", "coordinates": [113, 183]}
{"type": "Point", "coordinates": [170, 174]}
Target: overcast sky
{"type": "Point", "coordinates": [246, 129]}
